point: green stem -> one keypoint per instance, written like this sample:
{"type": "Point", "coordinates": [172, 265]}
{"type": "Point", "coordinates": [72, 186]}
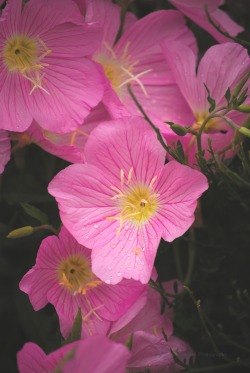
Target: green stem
{"type": "Point", "coordinates": [46, 226]}
{"type": "Point", "coordinates": [237, 40]}
{"type": "Point", "coordinates": [212, 368]}
{"type": "Point", "coordinates": [156, 129]}
{"type": "Point", "coordinates": [191, 258]}
{"type": "Point", "coordinates": [198, 306]}
{"type": "Point", "coordinates": [124, 7]}
{"type": "Point", "coordinates": [208, 118]}
{"type": "Point", "coordinates": [177, 260]}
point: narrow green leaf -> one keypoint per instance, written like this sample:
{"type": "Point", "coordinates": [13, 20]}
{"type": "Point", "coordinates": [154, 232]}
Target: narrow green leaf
{"type": "Point", "coordinates": [210, 100]}
{"type": "Point", "coordinates": [240, 85]}
{"type": "Point", "coordinates": [228, 95]}
{"type": "Point", "coordinates": [129, 342]}
{"type": "Point", "coordinates": [35, 213]}
{"type": "Point", "coordinates": [242, 98]}
{"type": "Point", "coordinates": [180, 151]}
{"type": "Point", "coordinates": [76, 330]}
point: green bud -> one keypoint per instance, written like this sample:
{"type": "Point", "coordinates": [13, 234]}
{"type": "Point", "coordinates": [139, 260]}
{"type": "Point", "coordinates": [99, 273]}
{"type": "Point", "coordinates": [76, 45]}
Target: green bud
{"type": "Point", "coordinates": [129, 342]}
{"type": "Point", "coordinates": [244, 108]}
{"type": "Point", "coordinates": [244, 131]}
{"type": "Point", "coordinates": [240, 85]}
{"type": "Point", "coordinates": [179, 130]}
{"type": "Point", "coordinates": [21, 232]}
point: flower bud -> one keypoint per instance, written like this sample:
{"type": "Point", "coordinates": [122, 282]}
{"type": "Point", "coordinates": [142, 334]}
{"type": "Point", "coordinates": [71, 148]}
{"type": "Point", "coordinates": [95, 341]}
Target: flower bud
{"type": "Point", "coordinates": [244, 131]}
{"type": "Point", "coordinates": [21, 232]}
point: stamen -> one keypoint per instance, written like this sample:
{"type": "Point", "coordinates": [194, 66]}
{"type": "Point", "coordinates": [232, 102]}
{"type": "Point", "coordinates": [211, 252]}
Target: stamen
{"type": "Point", "coordinates": [152, 181]}
{"type": "Point", "coordinates": [136, 203]}
{"type": "Point", "coordinates": [110, 49]}
{"type": "Point", "coordinates": [155, 331]}
{"type": "Point", "coordinates": [21, 55]}
{"type": "Point", "coordinates": [130, 175]}
{"type": "Point", "coordinates": [92, 311]}
{"type": "Point", "coordinates": [125, 51]}
{"type": "Point", "coordinates": [135, 78]}
{"type": "Point", "coordinates": [122, 177]}
{"type": "Point", "coordinates": [73, 137]}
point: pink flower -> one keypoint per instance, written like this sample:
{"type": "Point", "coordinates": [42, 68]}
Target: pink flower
{"type": "Point", "coordinates": [149, 348]}
{"type": "Point", "coordinates": [222, 67]}
{"type": "Point", "coordinates": [4, 150]}
{"type": "Point", "coordinates": [93, 355]}
{"type": "Point", "coordinates": [124, 199]}
{"type": "Point", "coordinates": [68, 146]}
{"type": "Point", "coordinates": [44, 75]}
{"type": "Point", "coordinates": [63, 276]}
{"type": "Point", "coordinates": [195, 10]}
{"type": "Point", "coordinates": [136, 58]}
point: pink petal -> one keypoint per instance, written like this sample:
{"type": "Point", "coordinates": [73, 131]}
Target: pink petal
{"type": "Point", "coordinates": [149, 31]}
{"type": "Point", "coordinates": [167, 104]}
{"type": "Point", "coordinates": [10, 18]}
{"type": "Point", "coordinates": [92, 326]}
{"type": "Point", "coordinates": [107, 16]}
{"type": "Point", "coordinates": [14, 113]}
{"type": "Point", "coordinates": [69, 146]}
{"type": "Point", "coordinates": [221, 67]}
{"type": "Point", "coordinates": [79, 190]}
{"type": "Point", "coordinates": [153, 352]}
{"type": "Point", "coordinates": [179, 188]}
{"type": "Point", "coordinates": [115, 300]}
{"type": "Point", "coordinates": [69, 41]}
{"type": "Point", "coordinates": [98, 354]}
{"type": "Point", "coordinates": [124, 320]}
{"type": "Point", "coordinates": [74, 87]}
{"type": "Point", "coordinates": [36, 283]}
{"type": "Point", "coordinates": [182, 62]}
{"type": "Point", "coordinates": [149, 319]}
{"type": "Point", "coordinates": [130, 254]}
{"type": "Point", "coordinates": [31, 359]}
{"type": "Point", "coordinates": [4, 150]}
{"type": "Point", "coordinates": [124, 144]}
{"type": "Point", "coordinates": [195, 10]}
{"type": "Point", "coordinates": [48, 15]}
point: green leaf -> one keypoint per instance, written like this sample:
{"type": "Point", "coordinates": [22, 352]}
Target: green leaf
{"type": "Point", "coordinates": [228, 95]}
{"type": "Point", "coordinates": [35, 213]}
{"type": "Point", "coordinates": [240, 85]}
{"type": "Point", "coordinates": [210, 100]}
{"type": "Point", "coordinates": [242, 98]}
{"type": "Point", "coordinates": [180, 151]}
{"type": "Point", "coordinates": [75, 334]}
{"type": "Point", "coordinates": [129, 342]}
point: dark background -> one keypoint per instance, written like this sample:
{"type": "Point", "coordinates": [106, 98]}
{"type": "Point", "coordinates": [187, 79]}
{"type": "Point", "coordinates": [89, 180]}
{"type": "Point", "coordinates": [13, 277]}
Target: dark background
{"type": "Point", "coordinates": [220, 278]}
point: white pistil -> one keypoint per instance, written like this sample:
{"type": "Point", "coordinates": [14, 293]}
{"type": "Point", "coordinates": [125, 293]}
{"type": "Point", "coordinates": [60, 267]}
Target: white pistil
{"type": "Point", "coordinates": [135, 78]}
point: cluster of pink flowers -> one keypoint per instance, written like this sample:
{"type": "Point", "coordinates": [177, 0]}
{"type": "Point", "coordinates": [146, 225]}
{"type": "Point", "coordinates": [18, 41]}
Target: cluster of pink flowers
{"type": "Point", "coordinates": [64, 86]}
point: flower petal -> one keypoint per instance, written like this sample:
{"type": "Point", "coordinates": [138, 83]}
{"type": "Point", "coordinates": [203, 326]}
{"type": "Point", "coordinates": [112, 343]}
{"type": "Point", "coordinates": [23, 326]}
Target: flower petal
{"type": "Point", "coordinates": [179, 188]}
{"type": "Point", "coordinates": [31, 359]}
{"type": "Point", "coordinates": [124, 144]}
{"type": "Point", "coordinates": [4, 150]}
{"type": "Point", "coordinates": [73, 87]}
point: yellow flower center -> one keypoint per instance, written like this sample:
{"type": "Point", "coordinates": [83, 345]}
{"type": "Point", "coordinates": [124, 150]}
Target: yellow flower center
{"type": "Point", "coordinates": [75, 274]}
{"type": "Point", "coordinates": [137, 203]}
{"type": "Point", "coordinates": [120, 70]}
{"type": "Point", "coordinates": [212, 125]}
{"type": "Point", "coordinates": [23, 55]}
